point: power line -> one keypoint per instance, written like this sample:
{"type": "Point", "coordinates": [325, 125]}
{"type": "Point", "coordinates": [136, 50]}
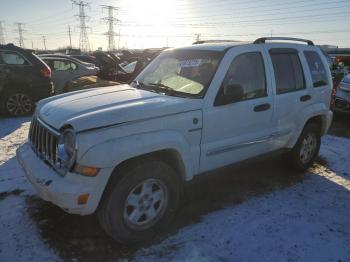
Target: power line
{"type": "Point", "coordinates": [2, 34]}
{"type": "Point", "coordinates": [84, 40]}
{"type": "Point", "coordinates": [111, 22]}
{"type": "Point", "coordinates": [20, 31]}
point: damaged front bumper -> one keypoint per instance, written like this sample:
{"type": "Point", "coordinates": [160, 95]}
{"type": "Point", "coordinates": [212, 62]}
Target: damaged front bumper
{"type": "Point", "coordinates": [63, 191]}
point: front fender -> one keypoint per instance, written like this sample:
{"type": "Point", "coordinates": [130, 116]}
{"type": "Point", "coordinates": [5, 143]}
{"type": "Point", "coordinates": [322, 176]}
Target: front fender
{"type": "Point", "coordinates": [114, 151]}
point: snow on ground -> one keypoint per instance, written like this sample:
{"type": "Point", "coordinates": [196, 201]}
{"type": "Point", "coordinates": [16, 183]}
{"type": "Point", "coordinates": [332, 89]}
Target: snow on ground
{"type": "Point", "coordinates": [308, 221]}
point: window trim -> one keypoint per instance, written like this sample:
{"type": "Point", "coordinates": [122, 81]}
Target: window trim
{"type": "Point", "coordinates": [308, 66]}
{"type": "Point", "coordinates": [13, 51]}
{"type": "Point", "coordinates": [289, 52]}
{"type": "Point", "coordinates": [216, 103]}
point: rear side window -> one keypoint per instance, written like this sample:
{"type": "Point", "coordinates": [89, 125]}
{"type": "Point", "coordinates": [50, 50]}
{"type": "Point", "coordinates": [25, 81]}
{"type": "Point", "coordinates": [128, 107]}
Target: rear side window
{"type": "Point", "coordinates": [317, 69]}
{"type": "Point", "coordinates": [13, 58]}
{"type": "Point", "coordinates": [289, 75]}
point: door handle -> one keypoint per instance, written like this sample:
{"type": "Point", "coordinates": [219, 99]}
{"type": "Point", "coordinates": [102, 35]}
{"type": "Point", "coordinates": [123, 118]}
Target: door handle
{"type": "Point", "coordinates": [305, 98]}
{"type": "Point", "coordinates": [262, 107]}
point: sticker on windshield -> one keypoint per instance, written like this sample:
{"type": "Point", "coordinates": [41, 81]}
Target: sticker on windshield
{"type": "Point", "coordinates": [191, 63]}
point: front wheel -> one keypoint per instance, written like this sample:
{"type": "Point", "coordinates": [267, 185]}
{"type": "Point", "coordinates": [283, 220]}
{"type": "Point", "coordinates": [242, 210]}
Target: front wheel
{"type": "Point", "coordinates": [306, 149]}
{"type": "Point", "coordinates": [140, 204]}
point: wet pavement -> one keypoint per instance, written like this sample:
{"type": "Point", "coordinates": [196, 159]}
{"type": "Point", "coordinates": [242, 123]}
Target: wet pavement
{"type": "Point", "coordinates": [77, 238]}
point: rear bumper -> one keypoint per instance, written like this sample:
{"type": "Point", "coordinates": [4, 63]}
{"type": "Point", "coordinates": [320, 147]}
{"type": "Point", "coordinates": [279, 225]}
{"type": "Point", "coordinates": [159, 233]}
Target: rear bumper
{"type": "Point", "coordinates": [62, 191]}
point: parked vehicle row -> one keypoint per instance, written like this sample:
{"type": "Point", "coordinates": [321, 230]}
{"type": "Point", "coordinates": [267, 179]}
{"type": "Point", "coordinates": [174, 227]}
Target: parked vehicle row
{"type": "Point", "coordinates": [65, 69]}
{"type": "Point", "coordinates": [127, 151]}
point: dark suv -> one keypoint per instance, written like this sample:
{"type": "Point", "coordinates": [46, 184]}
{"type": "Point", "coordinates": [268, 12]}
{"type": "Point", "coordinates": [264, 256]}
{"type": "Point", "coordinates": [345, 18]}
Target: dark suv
{"type": "Point", "coordinates": [24, 79]}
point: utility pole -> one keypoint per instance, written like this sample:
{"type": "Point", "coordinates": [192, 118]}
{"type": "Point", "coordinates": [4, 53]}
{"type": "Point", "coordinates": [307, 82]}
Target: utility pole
{"type": "Point", "coordinates": [2, 34]}
{"type": "Point", "coordinates": [32, 45]}
{"type": "Point", "coordinates": [83, 40]}
{"type": "Point", "coordinates": [44, 41]}
{"type": "Point", "coordinates": [20, 31]}
{"type": "Point", "coordinates": [111, 21]}
{"type": "Point", "coordinates": [70, 36]}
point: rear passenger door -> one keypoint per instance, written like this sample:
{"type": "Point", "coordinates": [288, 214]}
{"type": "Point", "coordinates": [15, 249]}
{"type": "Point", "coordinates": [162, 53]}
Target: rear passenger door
{"type": "Point", "coordinates": [292, 95]}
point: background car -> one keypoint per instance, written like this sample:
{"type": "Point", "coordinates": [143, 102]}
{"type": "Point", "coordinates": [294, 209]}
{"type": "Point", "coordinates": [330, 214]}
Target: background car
{"type": "Point", "coordinates": [66, 69]}
{"type": "Point", "coordinates": [341, 99]}
{"type": "Point", "coordinates": [24, 79]}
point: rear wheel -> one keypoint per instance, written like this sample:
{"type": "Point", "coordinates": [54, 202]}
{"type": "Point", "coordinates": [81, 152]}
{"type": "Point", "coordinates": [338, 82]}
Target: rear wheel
{"type": "Point", "coordinates": [306, 149]}
{"type": "Point", "coordinates": [140, 204]}
{"type": "Point", "coordinates": [17, 103]}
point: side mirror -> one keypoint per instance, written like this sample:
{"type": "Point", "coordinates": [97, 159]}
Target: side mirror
{"type": "Point", "coordinates": [233, 92]}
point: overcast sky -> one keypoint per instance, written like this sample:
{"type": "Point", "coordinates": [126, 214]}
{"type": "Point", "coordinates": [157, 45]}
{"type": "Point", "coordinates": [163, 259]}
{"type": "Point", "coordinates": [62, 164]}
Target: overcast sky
{"type": "Point", "coordinates": [157, 23]}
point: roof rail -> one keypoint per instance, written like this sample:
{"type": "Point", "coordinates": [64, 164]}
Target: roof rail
{"type": "Point", "coordinates": [262, 40]}
{"type": "Point", "coordinates": [213, 41]}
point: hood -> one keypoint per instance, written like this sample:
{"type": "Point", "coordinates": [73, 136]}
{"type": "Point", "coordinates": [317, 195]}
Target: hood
{"type": "Point", "coordinates": [107, 106]}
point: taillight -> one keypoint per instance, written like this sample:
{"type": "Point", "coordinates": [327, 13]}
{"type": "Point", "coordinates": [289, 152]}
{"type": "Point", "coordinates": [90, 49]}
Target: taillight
{"type": "Point", "coordinates": [46, 72]}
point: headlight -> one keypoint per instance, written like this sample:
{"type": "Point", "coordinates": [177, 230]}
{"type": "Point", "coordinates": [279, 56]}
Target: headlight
{"type": "Point", "coordinates": [67, 148]}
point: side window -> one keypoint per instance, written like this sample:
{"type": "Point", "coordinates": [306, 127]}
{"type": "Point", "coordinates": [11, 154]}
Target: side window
{"type": "Point", "coordinates": [317, 69]}
{"type": "Point", "coordinates": [13, 58]}
{"type": "Point", "coordinates": [248, 71]}
{"type": "Point", "coordinates": [289, 75]}
{"type": "Point", "coordinates": [60, 65]}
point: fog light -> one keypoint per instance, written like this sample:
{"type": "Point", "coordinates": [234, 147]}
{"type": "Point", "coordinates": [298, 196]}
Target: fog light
{"type": "Point", "coordinates": [82, 199]}
{"type": "Point", "coordinates": [86, 170]}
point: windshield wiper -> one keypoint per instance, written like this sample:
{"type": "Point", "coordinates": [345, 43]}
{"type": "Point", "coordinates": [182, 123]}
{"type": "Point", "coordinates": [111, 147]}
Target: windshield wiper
{"type": "Point", "coordinates": [162, 86]}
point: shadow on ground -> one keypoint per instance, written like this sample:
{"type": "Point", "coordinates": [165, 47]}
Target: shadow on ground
{"type": "Point", "coordinates": [74, 237]}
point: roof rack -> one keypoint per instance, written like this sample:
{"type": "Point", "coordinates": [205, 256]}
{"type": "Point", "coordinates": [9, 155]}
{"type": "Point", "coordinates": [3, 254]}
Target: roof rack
{"type": "Point", "coordinates": [213, 41]}
{"type": "Point", "coordinates": [262, 40]}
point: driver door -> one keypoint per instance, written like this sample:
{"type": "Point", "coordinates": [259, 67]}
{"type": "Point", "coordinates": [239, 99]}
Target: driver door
{"type": "Point", "coordinates": [234, 131]}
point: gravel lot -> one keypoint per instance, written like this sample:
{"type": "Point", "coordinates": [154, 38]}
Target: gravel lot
{"type": "Point", "coordinates": [261, 212]}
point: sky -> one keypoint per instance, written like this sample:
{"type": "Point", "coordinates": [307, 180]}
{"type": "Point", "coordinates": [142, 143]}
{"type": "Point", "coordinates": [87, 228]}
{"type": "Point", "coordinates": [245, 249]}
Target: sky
{"type": "Point", "coordinates": [159, 23]}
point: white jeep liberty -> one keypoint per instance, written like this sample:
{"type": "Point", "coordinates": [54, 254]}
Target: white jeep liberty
{"type": "Point", "coordinates": [125, 151]}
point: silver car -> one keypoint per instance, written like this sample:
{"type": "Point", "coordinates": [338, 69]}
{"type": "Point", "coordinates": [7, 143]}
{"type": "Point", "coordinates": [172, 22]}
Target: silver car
{"type": "Point", "coordinates": [65, 69]}
{"type": "Point", "coordinates": [341, 102]}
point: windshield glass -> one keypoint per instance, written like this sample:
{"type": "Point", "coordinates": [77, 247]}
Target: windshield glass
{"type": "Point", "coordinates": [182, 71]}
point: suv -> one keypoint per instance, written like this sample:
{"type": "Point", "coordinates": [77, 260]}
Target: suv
{"type": "Point", "coordinates": [341, 99]}
{"type": "Point", "coordinates": [24, 79]}
{"type": "Point", "coordinates": [126, 151]}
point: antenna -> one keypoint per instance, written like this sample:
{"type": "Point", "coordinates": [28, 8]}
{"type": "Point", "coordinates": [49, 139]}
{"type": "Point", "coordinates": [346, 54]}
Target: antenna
{"type": "Point", "coordinates": [111, 21]}
{"type": "Point", "coordinates": [84, 40]}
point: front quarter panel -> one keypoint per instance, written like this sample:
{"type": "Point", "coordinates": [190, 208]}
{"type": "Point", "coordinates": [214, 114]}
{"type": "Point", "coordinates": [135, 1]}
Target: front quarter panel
{"type": "Point", "coordinates": [109, 147]}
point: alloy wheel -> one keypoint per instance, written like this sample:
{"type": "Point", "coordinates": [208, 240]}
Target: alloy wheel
{"type": "Point", "coordinates": [19, 104]}
{"type": "Point", "coordinates": [145, 204]}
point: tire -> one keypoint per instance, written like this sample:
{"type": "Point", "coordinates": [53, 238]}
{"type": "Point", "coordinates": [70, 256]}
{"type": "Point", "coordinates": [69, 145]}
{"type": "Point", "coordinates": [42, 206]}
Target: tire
{"type": "Point", "coordinates": [16, 103]}
{"type": "Point", "coordinates": [305, 151]}
{"type": "Point", "coordinates": [125, 211]}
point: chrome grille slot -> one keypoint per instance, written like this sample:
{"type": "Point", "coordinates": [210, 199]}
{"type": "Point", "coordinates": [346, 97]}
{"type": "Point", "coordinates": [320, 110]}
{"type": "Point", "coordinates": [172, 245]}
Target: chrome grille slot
{"type": "Point", "coordinates": [44, 141]}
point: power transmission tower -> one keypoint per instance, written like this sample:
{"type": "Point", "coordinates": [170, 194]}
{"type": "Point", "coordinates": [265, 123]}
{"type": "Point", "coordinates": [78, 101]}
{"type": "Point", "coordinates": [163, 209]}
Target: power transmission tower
{"type": "Point", "coordinates": [20, 31]}
{"type": "Point", "coordinates": [70, 36]}
{"type": "Point", "coordinates": [44, 41]}
{"type": "Point", "coordinates": [111, 21]}
{"type": "Point", "coordinates": [2, 34]}
{"type": "Point", "coordinates": [84, 40]}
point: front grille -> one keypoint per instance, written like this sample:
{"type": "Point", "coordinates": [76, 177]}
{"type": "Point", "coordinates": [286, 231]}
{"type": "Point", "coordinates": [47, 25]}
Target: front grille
{"type": "Point", "coordinates": [44, 142]}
